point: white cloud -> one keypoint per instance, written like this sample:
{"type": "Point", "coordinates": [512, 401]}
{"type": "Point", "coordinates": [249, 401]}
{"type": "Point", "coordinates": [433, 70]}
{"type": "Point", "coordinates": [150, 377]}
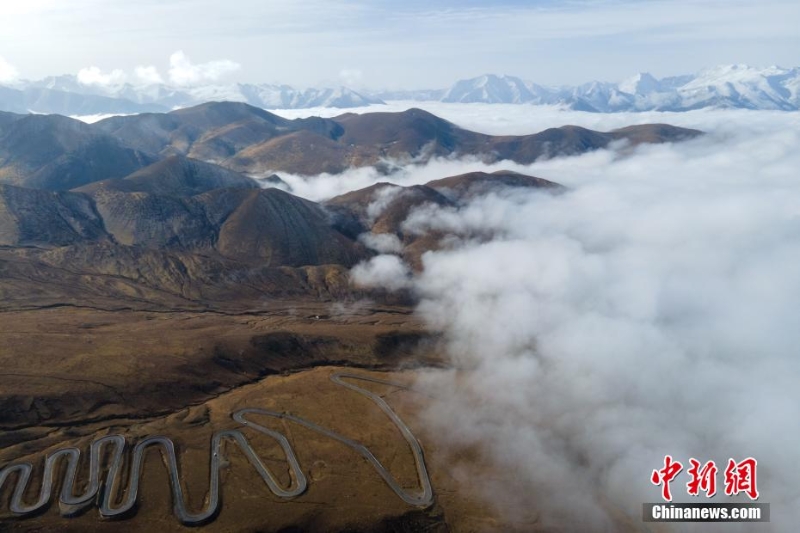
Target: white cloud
{"type": "Point", "coordinates": [381, 200]}
{"type": "Point", "coordinates": [148, 75]}
{"type": "Point", "coordinates": [514, 119]}
{"type": "Point", "coordinates": [384, 271]}
{"type": "Point", "coordinates": [183, 72]}
{"type": "Point", "coordinates": [94, 76]}
{"type": "Point", "coordinates": [385, 243]}
{"type": "Point", "coordinates": [652, 310]}
{"type": "Point", "coordinates": [8, 72]}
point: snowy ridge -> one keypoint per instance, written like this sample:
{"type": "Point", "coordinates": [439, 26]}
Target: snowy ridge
{"type": "Point", "coordinates": [69, 96]}
{"type": "Point", "coordinates": [726, 86]}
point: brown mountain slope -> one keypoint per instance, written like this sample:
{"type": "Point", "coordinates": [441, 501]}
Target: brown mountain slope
{"type": "Point", "coordinates": [153, 221]}
{"type": "Point", "coordinates": [473, 184]}
{"type": "Point", "coordinates": [552, 142]}
{"type": "Point", "coordinates": [385, 139]}
{"type": "Point", "coordinates": [175, 176]}
{"type": "Point", "coordinates": [268, 227]}
{"type": "Point", "coordinates": [111, 276]}
{"type": "Point", "coordinates": [404, 133]}
{"type": "Point", "coordinates": [226, 246]}
{"type": "Point", "coordinates": [653, 133]}
{"type": "Point", "coordinates": [42, 218]}
{"type": "Point", "coordinates": [178, 131]}
{"type": "Point", "coordinates": [58, 153]}
{"type": "Point", "coordinates": [275, 228]}
{"type": "Point", "coordinates": [300, 152]}
{"type": "Point", "coordinates": [382, 209]}
{"type": "Point", "coordinates": [575, 140]}
{"type": "Point", "coordinates": [156, 208]}
{"type": "Point", "coordinates": [371, 139]}
{"type": "Point", "coordinates": [212, 132]}
{"type": "Point", "coordinates": [250, 140]}
{"type": "Point", "coordinates": [383, 202]}
{"type": "Point", "coordinates": [230, 245]}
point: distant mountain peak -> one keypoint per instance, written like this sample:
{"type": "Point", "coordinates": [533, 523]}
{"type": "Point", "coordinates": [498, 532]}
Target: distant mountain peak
{"type": "Point", "coordinates": [489, 88]}
{"type": "Point", "coordinates": [734, 85]}
{"type": "Point", "coordinates": [727, 86]}
{"type": "Point", "coordinates": [72, 95]}
{"type": "Point", "coordinates": [642, 83]}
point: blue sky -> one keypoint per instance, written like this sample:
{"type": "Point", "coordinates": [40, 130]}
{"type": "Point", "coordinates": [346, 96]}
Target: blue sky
{"type": "Point", "coordinates": [390, 44]}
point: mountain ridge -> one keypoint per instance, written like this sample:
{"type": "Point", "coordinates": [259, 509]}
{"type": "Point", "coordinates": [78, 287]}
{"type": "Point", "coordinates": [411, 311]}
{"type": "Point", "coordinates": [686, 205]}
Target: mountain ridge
{"type": "Point", "coordinates": [721, 86]}
{"type": "Point", "coordinates": [59, 153]}
{"type": "Point", "coordinates": [222, 245]}
{"type": "Point", "coordinates": [724, 86]}
{"type": "Point", "coordinates": [67, 95]}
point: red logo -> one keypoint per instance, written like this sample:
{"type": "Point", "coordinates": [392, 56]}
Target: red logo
{"type": "Point", "coordinates": [704, 478]}
{"type": "Point", "coordinates": [665, 476]}
{"type": "Point", "coordinates": [739, 477]}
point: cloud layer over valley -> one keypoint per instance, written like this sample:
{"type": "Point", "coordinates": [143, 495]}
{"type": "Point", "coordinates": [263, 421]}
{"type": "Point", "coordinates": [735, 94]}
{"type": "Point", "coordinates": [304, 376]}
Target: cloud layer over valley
{"type": "Point", "coordinates": [649, 310]}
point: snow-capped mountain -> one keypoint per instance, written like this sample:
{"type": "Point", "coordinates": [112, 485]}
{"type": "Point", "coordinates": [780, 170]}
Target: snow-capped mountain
{"type": "Point", "coordinates": [276, 96]}
{"type": "Point", "coordinates": [742, 86]}
{"type": "Point", "coordinates": [68, 95]}
{"type": "Point", "coordinates": [490, 89]}
{"type": "Point", "coordinates": [729, 86]}
{"type": "Point", "coordinates": [641, 84]}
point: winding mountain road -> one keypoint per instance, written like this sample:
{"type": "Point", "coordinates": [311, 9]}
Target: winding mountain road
{"type": "Point", "coordinates": [71, 503]}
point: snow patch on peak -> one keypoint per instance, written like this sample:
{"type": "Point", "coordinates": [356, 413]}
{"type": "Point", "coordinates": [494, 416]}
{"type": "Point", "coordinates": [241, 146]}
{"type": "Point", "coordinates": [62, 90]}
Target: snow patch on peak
{"type": "Point", "coordinates": [643, 83]}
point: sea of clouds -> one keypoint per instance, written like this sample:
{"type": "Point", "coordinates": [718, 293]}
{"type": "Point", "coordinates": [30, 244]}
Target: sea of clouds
{"type": "Point", "coordinates": [652, 309]}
